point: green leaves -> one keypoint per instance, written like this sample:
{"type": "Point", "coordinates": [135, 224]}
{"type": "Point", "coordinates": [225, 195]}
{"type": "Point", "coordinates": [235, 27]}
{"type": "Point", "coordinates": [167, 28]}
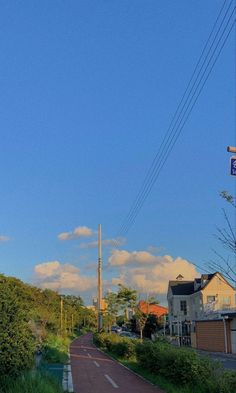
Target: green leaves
{"type": "Point", "coordinates": [16, 340]}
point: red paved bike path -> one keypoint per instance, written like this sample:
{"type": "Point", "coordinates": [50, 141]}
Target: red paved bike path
{"type": "Point", "coordinates": [95, 372]}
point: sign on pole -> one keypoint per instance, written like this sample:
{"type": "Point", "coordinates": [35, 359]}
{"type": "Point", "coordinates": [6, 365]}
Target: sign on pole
{"type": "Point", "coordinates": [233, 166]}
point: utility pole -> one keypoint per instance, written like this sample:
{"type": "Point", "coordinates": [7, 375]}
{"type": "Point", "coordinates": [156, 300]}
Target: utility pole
{"type": "Point", "coordinates": [72, 323]}
{"type": "Point", "coordinates": [65, 322]}
{"type": "Point", "coordinates": [61, 315]}
{"type": "Point", "coordinates": [99, 303]}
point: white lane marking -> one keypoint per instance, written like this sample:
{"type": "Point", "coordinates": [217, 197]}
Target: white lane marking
{"type": "Point", "coordinates": [96, 363]}
{"type": "Point", "coordinates": [111, 381]}
{"type": "Point", "coordinates": [85, 350]}
{"type": "Point", "coordinates": [89, 355]}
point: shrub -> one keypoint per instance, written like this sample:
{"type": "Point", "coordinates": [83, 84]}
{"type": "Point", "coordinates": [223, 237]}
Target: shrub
{"type": "Point", "coordinates": [119, 346]}
{"type": "Point", "coordinates": [55, 349]}
{"type": "Point", "coordinates": [17, 343]}
{"type": "Point", "coordinates": [181, 366]}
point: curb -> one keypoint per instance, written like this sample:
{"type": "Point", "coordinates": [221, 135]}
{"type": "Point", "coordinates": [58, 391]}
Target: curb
{"type": "Point", "coordinates": [67, 381]}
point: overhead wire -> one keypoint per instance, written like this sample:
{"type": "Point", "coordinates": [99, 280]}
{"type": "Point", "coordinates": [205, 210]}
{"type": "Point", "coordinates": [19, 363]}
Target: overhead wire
{"type": "Point", "coordinates": [174, 139]}
{"type": "Point", "coordinates": [183, 111]}
{"type": "Point", "coordinates": [167, 135]}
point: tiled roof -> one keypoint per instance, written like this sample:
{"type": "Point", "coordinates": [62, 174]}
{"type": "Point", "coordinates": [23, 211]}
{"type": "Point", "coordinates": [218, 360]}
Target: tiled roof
{"type": "Point", "coordinates": [154, 309]}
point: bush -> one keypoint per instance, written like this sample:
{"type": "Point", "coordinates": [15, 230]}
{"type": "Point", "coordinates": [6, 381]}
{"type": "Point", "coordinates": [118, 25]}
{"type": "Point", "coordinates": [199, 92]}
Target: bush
{"type": "Point", "coordinates": [184, 367]}
{"type": "Point", "coordinates": [17, 343]}
{"type": "Point", "coordinates": [55, 349]}
{"type": "Point", "coordinates": [119, 346]}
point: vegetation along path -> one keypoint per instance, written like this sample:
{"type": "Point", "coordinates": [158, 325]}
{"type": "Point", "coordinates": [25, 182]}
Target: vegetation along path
{"type": "Point", "coordinates": [94, 371]}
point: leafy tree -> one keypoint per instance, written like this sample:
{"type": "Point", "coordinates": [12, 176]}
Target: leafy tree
{"type": "Point", "coordinates": [127, 298]}
{"type": "Point", "coordinates": [141, 319]}
{"type": "Point", "coordinates": [16, 340]}
{"type": "Point", "coordinates": [111, 312]}
{"type": "Point", "coordinates": [151, 325]}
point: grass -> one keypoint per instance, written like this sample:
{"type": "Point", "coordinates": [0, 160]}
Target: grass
{"type": "Point", "coordinates": [30, 382]}
{"type": "Point", "coordinates": [56, 349]}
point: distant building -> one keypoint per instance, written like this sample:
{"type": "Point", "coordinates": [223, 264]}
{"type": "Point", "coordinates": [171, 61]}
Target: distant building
{"type": "Point", "coordinates": [103, 304]}
{"type": "Point", "coordinates": [189, 301]}
{"type": "Point", "coordinates": [153, 309]}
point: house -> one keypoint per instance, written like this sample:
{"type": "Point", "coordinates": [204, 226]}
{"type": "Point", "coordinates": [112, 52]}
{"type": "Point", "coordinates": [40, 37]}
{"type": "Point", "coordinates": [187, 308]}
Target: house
{"type": "Point", "coordinates": [201, 298]}
{"type": "Point", "coordinates": [154, 309]}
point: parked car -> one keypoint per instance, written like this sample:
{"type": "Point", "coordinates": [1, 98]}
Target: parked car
{"type": "Point", "coordinates": [115, 329]}
{"type": "Point", "coordinates": [127, 334]}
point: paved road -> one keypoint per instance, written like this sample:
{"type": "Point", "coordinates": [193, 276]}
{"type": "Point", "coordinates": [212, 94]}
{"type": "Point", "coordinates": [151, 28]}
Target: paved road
{"type": "Point", "coordinates": [227, 360]}
{"type": "Point", "coordinates": [95, 372]}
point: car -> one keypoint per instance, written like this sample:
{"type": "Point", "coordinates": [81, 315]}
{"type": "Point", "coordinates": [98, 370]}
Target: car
{"type": "Point", "coordinates": [127, 334]}
{"type": "Point", "coordinates": [115, 329]}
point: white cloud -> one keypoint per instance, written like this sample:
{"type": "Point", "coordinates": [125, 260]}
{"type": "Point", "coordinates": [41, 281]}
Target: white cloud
{"type": "Point", "coordinates": [58, 276]}
{"type": "Point", "coordinates": [76, 233]}
{"type": "Point", "coordinates": [123, 257]}
{"type": "Point", "coordinates": [4, 238]}
{"type": "Point", "coordinates": [106, 243]}
{"type": "Point", "coordinates": [147, 272]}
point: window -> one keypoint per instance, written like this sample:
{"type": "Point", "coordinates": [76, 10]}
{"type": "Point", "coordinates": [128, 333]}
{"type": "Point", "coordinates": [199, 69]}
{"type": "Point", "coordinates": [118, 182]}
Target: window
{"type": "Point", "coordinates": [226, 300]}
{"type": "Point", "coordinates": [211, 299]}
{"type": "Point", "coordinates": [183, 306]}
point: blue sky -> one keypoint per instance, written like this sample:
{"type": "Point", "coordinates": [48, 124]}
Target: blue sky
{"type": "Point", "coordinates": [88, 89]}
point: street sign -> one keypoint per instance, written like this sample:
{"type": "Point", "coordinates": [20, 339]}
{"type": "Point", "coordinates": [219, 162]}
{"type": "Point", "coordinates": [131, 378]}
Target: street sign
{"type": "Point", "coordinates": [233, 166]}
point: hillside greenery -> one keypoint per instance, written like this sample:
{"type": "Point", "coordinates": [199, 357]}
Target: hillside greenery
{"type": "Point", "coordinates": [31, 320]}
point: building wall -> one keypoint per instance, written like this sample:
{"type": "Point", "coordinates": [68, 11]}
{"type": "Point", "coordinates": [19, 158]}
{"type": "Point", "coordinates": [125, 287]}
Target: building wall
{"type": "Point", "coordinates": [210, 335]}
{"type": "Point", "coordinates": [175, 313]}
{"type": "Point", "coordinates": [224, 293]}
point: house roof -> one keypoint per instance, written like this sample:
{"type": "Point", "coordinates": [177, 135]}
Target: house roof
{"type": "Point", "coordinates": [187, 287]}
{"type": "Point", "coordinates": [208, 276]}
{"type": "Point", "coordinates": [182, 287]}
{"type": "Point", "coordinates": [154, 309]}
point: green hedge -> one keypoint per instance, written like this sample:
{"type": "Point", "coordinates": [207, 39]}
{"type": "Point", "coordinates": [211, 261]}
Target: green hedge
{"type": "Point", "coordinates": [185, 367]}
{"type": "Point", "coordinates": [120, 346]}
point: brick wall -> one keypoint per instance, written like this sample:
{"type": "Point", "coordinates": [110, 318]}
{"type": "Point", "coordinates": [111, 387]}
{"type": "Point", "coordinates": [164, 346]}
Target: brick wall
{"type": "Point", "coordinates": [210, 336]}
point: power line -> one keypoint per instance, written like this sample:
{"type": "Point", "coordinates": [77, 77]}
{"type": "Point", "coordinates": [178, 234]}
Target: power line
{"type": "Point", "coordinates": [167, 142]}
{"type": "Point", "coordinates": [183, 111]}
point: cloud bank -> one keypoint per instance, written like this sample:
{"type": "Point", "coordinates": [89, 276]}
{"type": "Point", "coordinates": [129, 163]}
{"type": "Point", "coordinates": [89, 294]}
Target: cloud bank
{"type": "Point", "coordinates": [78, 232]}
{"type": "Point", "coordinates": [149, 273]}
{"type": "Point", "coordinates": [106, 243]}
{"type": "Point", "coordinates": [4, 239]}
{"type": "Point", "coordinates": [57, 276]}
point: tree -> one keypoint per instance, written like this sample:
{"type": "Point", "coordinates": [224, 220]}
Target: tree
{"type": "Point", "coordinates": [151, 325]}
{"type": "Point", "coordinates": [141, 319]}
{"type": "Point", "coordinates": [225, 263]}
{"type": "Point", "coordinates": [111, 313]}
{"type": "Point", "coordinates": [17, 343]}
{"type": "Point", "coordinates": [127, 298]}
